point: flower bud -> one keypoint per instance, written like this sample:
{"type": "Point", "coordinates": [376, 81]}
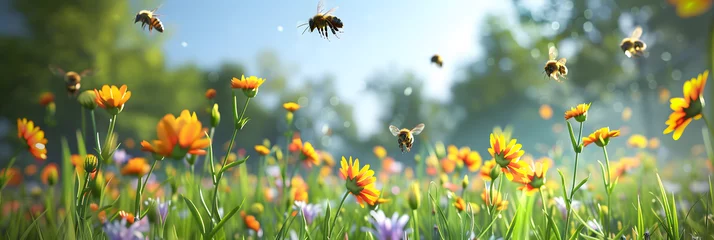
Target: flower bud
{"type": "Point", "coordinates": [414, 196]}
{"type": "Point", "coordinates": [495, 172]}
{"type": "Point", "coordinates": [440, 150]}
{"type": "Point", "coordinates": [50, 174]}
{"type": "Point", "coordinates": [215, 116]}
{"type": "Point", "coordinates": [90, 163]}
{"type": "Point", "coordinates": [86, 99]}
{"type": "Point", "coordinates": [465, 182]}
{"type": "Point", "coordinates": [250, 93]}
{"type": "Point", "coordinates": [256, 209]}
{"type": "Point", "coordinates": [289, 117]}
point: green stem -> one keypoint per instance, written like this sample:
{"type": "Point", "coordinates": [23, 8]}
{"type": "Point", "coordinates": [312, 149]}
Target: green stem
{"type": "Point", "coordinates": [137, 208]}
{"type": "Point", "coordinates": [545, 207]}
{"type": "Point", "coordinates": [81, 201]}
{"type": "Point", "coordinates": [207, 161]}
{"type": "Point", "coordinates": [608, 188]}
{"type": "Point", "coordinates": [337, 213]}
{"type": "Point", "coordinates": [572, 188]}
{"type": "Point", "coordinates": [96, 134]}
{"type": "Point", "coordinates": [711, 134]}
{"type": "Point", "coordinates": [261, 170]}
{"type": "Point", "coordinates": [415, 221]}
{"type": "Point", "coordinates": [84, 123]}
{"type": "Point", "coordinates": [490, 193]}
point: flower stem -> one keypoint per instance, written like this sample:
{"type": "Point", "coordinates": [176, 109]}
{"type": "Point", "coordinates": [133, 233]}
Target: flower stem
{"type": "Point", "coordinates": [137, 208]}
{"type": "Point", "coordinates": [608, 188]}
{"type": "Point", "coordinates": [572, 188]}
{"type": "Point", "coordinates": [415, 221]}
{"type": "Point", "coordinates": [337, 213]}
{"type": "Point", "coordinates": [711, 135]}
{"type": "Point", "coordinates": [96, 134]}
{"type": "Point", "coordinates": [84, 123]}
{"type": "Point", "coordinates": [545, 206]}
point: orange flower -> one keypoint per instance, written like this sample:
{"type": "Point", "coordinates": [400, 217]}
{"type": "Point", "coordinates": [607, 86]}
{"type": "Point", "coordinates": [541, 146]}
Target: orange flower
{"type": "Point", "coordinates": [360, 182]}
{"type": "Point", "coordinates": [601, 137]}
{"type": "Point", "coordinates": [471, 159]}
{"type": "Point", "coordinates": [497, 200]}
{"type": "Point", "coordinates": [262, 150]}
{"type": "Point", "coordinates": [299, 193]}
{"type": "Point", "coordinates": [687, 108]}
{"type": "Point", "coordinates": [296, 144]}
{"type": "Point", "coordinates": [291, 106]}
{"type": "Point", "coordinates": [249, 85]}
{"type": "Point", "coordinates": [637, 141]}
{"type": "Point", "coordinates": [380, 152]}
{"type": "Point", "coordinates": [178, 136]}
{"type": "Point", "coordinates": [507, 155]}
{"type": "Point", "coordinates": [534, 179]}
{"type": "Point", "coordinates": [112, 98]}
{"type": "Point", "coordinates": [691, 8]}
{"type": "Point", "coordinates": [309, 155]}
{"type": "Point", "coordinates": [46, 98]}
{"type": "Point", "coordinates": [50, 174]}
{"type": "Point", "coordinates": [653, 143]}
{"type": "Point", "coordinates": [545, 111]}
{"type": "Point", "coordinates": [210, 93]}
{"type": "Point", "coordinates": [13, 178]}
{"type": "Point", "coordinates": [580, 112]}
{"type": "Point", "coordinates": [460, 204]}
{"type": "Point", "coordinates": [34, 137]}
{"type": "Point", "coordinates": [486, 170]}
{"type": "Point", "coordinates": [250, 221]}
{"type": "Point", "coordinates": [136, 166]}
{"type": "Point", "coordinates": [127, 216]}
{"type": "Point", "coordinates": [30, 170]}
{"type": "Point", "coordinates": [625, 164]}
{"type": "Point", "coordinates": [94, 207]}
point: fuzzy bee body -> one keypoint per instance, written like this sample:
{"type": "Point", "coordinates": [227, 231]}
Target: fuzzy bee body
{"type": "Point", "coordinates": [555, 69]}
{"type": "Point", "coordinates": [324, 21]}
{"type": "Point", "coordinates": [633, 46]}
{"type": "Point", "coordinates": [72, 79]}
{"type": "Point", "coordinates": [436, 59]}
{"type": "Point", "coordinates": [405, 137]}
{"type": "Point", "coordinates": [149, 18]}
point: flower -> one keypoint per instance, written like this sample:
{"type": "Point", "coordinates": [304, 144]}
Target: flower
{"type": "Point", "coordinates": [691, 8]}
{"type": "Point", "coordinates": [601, 137]}
{"type": "Point", "coordinates": [460, 204]}
{"type": "Point", "coordinates": [309, 155]}
{"type": "Point", "coordinates": [472, 159]}
{"type": "Point", "coordinates": [687, 108]}
{"type": "Point", "coordinates": [580, 112]}
{"type": "Point", "coordinates": [545, 111]}
{"type": "Point", "coordinates": [250, 222]}
{"type": "Point", "coordinates": [562, 208]}
{"type": "Point", "coordinates": [291, 106]}
{"type": "Point", "coordinates": [388, 228]}
{"type": "Point", "coordinates": [30, 170]}
{"type": "Point", "coordinates": [380, 152]}
{"type": "Point", "coordinates": [249, 85]}
{"type": "Point", "coordinates": [120, 156]}
{"type": "Point", "coordinates": [327, 157]}
{"type": "Point", "coordinates": [159, 209]}
{"type": "Point", "coordinates": [262, 150]}
{"type": "Point", "coordinates": [360, 182]}
{"type": "Point", "coordinates": [178, 136]}
{"type": "Point", "coordinates": [90, 163]}
{"type": "Point", "coordinates": [414, 196]}
{"type": "Point", "coordinates": [594, 225]}
{"type": "Point", "coordinates": [118, 230]}
{"type": "Point", "coordinates": [33, 136]}
{"type": "Point", "coordinates": [112, 98]}
{"type": "Point", "coordinates": [626, 164]}
{"type": "Point", "coordinates": [390, 166]}
{"type": "Point", "coordinates": [497, 200]}
{"type": "Point", "coordinates": [487, 172]}
{"type": "Point", "coordinates": [136, 166]}
{"type": "Point", "coordinates": [637, 141]}
{"type": "Point", "coordinates": [88, 99]}
{"type": "Point", "coordinates": [653, 143]}
{"type": "Point", "coordinates": [46, 98]}
{"type": "Point", "coordinates": [12, 177]}
{"type": "Point", "coordinates": [535, 179]}
{"type": "Point", "coordinates": [507, 155]}
{"type": "Point", "coordinates": [310, 211]}
{"type": "Point", "coordinates": [210, 93]}
{"type": "Point", "coordinates": [298, 192]}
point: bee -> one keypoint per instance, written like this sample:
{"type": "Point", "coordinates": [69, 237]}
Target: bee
{"type": "Point", "coordinates": [405, 137]}
{"type": "Point", "coordinates": [73, 80]}
{"type": "Point", "coordinates": [633, 45]}
{"type": "Point", "coordinates": [147, 17]}
{"type": "Point", "coordinates": [555, 69]}
{"type": "Point", "coordinates": [321, 21]}
{"type": "Point", "coordinates": [436, 59]}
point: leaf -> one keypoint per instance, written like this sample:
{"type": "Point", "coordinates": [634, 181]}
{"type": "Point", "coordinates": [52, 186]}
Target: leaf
{"type": "Point", "coordinates": [640, 220]}
{"type": "Point", "coordinates": [572, 137]}
{"type": "Point", "coordinates": [565, 192]}
{"type": "Point", "coordinates": [32, 225]}
{"type": "Point", "coordinates": [203, 203]}
{"type": "Point", "coordinates": [233, 164]}
{"type": "Point", "coordinates": [511, 227]}
{"type": "Point", "coordinates": [225, 219]}
{"type": "Point", "coordinates": [577, 230]}
{"type": "Point", "coordinates": [577, 187]}
{"type": "Point", "coordinates": [196, 215]}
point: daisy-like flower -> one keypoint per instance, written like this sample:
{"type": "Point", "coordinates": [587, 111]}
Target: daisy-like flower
{"type": "Point", "coordinates": [121, 230]}
{"type": "Point", "coordinates": [691, 8]}
{"type": "Point", "coordinates": [534, 179]}
{"type": "Point", "coordinates": [390, 166]}
{"type": "Point", "coordinates": [262, 150]}
{"type": "Point", "coordinates": [388, 228]}
{"type": "Point", "coordinates": [687, 108]}
{"type": "Point", "coordinates": [498, 200]}
{"type": "Point", "coordinates": [623, 166]}
{"type": "Point", "coordinates": [637, 141]}
{"type": "Point", "coordinates": [34, 137]}
{"type": "Point", "coordinates": [178, 136]}
{"type": "Point", "coordinates": [460, 204]}
{"type": "Point", "coordinates": [112, 98]}
{"type": "Point", "coordinates": [291, 106]}
{"type": "Point", "coordinates": [210, 93]}
{"type": "Point", "coordinates": [359, 182]}
{"type": "Point", "coordinates": [507, 156]}
{"type": "Point", "coordinates": [310, 157]}
{"type": "Point", "coordinates": [601, 137]}
{"type": "Point", "coordinates": [50, 174]}
{"type": "Point", "coordinates": [311, 211]}
{"type": "Point", "coordinates": [470, 159]}
{"type": "Point", "coordinates": [327, 157]}
{"type": "Point", "coordinates": [136, 167]}
{"type": "Point", "coordinates": [46, 98]}
{"type": "Point", "coordinates": [580, 112]}
{"type": "Point", "coordinates": [249, 85]}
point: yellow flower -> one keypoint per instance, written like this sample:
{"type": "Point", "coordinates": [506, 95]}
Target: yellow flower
{"type": "Point", "coordinates": [637, 141]}
{"type": "Point", "coordinates": [249, 85]}
{"type": "Point", "coordinates": [329, 160]}
{"type": "Point", "coordinates": [380, 152]}
{"type": "Point", "coordinates": [291, 106]}
{"type": "Point", "coordinates": [535, 179]}
{"type": "Point", "coordinates": [507, 156]}
{"type": "Point", "coordinates": [262, 150]}
{"type": "Point", "coordinates": [460, 204]}
{"type": "Point", "coordinates": [601, 137]}
{"type": "Point", "coordinates": [545, 111]}
{"type": "Point", "coordinates": [497, 200]}
{"type": "Point", "coordinates": [691, 8]}
{"type": "Point", "coordinates": [360, 182]}
{"type": "Point", "coordinates": [178, 136]}
{"type": "Point", "coordinates": [136, 167]}
{"type": "Point", "coordinates": [471, 159]}
{"type": "Point", "coordinates": [309, 155]}
{"type": "Point", "coordinates": [34, 137]}
{"type": "Point", "coordinates": [112, 98]}
{"type": "Point", "coordinates": [687, 108]}
{"type": "Point", "coordinates": [580, 112]}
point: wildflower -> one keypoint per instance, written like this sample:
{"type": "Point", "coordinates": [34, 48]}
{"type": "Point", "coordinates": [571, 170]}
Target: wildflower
{"type": "Point", "coordinates": [562, 208]}
{"type": "Point", "coordinates": [129, 217]}
{"type": "Point", "coordinates": [497, 200]}
{"type": "Point", "coordinates": [210, 93]}
{"type": "Point", "coordinates": [88, 99]}
{"type": "Point", "coordinates": [11, 177]}
{"type": "Point", "coordinates": [447, 165]}
{"type": "Point", "coordinates": [360, 182]}
{"type": "Point", "coordinates": [136, 166]}
{"type": "Point", "coordinates": [389, 165]}
{"type": "Point", "coordinates": [50, 174]}
{"type": "Point", "coordinates": [388, 228]}
{"type": "Point", "coordinates": [534, 179]}
{"type": "Point", "coordinates": [30, 170]}
{"type": "Point", "coordinates": [487, 172]}
{"type": "Point", "coordinates": [309, 155]}
{"type": "Point", "coordinates": [251, 222]}
{"type": "Point", "coordinates": [291, 106]}
{"type": "Point", "coordinates": [507, 155]}
{"type": "Point", "coordinates": [580, 112]}
{"type": "Point", "coordinates": [298, 192]}
{"type": "Point", "coordinates": [625, 165]}
{"type": "Point", "coordinates": [687, 108]}
{"type": "Point", "coordinates": [262, 150]}
{"type": "Point", "coordinates": [601, 137]}
{"type": "Point", "coordinates": [158, 210]}
{"type": "Point", "coordinates": [327, 157]}
{"type": "Point", "coordinates": [465, 182]}
{"type": "Point", "coordinates": [120, 156]}
{"type": "Point", "coordinates": [310, 211]}
{"type": "Point", "coordinates": [380, 152]}
{"type": "Point", "coordinates": [296, 144]}
{"type": "Point", "coordinates": [90, 163]}
{"type": "Point", "coordinates": [460, 204]}
{"type": "Point", "coordinates": [471, 159]}
{"type": "Point", "coordinates": [34, 137]}
{"type": "Point", "coordinates": [46, 98]}
{"type": "Point", "coordinates": [123, 230]}
{"type": "Point", "coordinates": [249, 85]}
{"type": "Point", "coordinates": [594, 225]}
{"type": "Point", "coordinates": [691, 8]}
{"type": "Point", "coordinates": [637, 141]}
{"type": "Point", "coordinates": [178, 136]}
{"type": "Point", "coordinates": [545, 111]}
{"type": "Point", "coordinates": [414, 196]}
{"type": "Point", "coordinates": [129, 143]}
{"type": "Point", "coordinates": [112, 98]}
{"type": "Point", "coordinates": [215, 116]}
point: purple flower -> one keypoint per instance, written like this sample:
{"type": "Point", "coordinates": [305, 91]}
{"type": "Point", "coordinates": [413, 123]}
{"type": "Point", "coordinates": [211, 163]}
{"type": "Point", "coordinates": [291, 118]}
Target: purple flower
{"type": "Point", "coordinates": [563, 208]}
{"type": "Point", "coordinates": [309, 210]}
{"type": "Point", "coordinates": [120, 156]}
{"type": "Point", "coordinates": [118, 230]}
{"type": "Point", "coordinates": [386, 228]}
{"type": "Point", "coordinates": [162, 208]}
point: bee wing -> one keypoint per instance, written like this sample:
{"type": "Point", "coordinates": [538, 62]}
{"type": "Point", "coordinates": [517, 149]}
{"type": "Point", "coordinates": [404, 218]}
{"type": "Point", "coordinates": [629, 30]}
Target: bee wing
{"type": "Point", "coordinates": [394, 130]}
{"type": "Point", "coordinates": [87, 72]}
{"type": "Point", "coordinates": [637, 33]}
{"type": "Point", "coordinates": [562, 61]}
{"type": "Point", "coordinates": [331, 11]}
{"type": "Point", "coordinates": [56, 70]}
{"type": "Point", "coordinates": [417, 130]}
{"type": "Point", "coordinates": [157, 8]}
{"type": "Point", "coordinates": [320, 5]}
{"type": "Point", "coordinates": [552, 53]}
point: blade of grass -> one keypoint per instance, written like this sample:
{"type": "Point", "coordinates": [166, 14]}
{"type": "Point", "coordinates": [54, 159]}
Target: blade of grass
{"type": "Point", "coordinates": [32, 225]}
{"type": "Point", "coordinates": [196, 215]}
{"type": "Point", "coordinates": [225, 219]}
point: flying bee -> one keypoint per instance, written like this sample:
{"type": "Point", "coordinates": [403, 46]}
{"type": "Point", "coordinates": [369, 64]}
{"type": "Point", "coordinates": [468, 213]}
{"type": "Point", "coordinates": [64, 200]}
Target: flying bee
{"type": "Point", "coordinates": [555, 69]}
{"type": "Point", "coordinates": [633, 45]}
{"type": "Point", "coordinates": [72, 79]}
{"type": "Point", "coordinates": [147, 17]}
{"type": "Point", "coordinates": [436, 59]}
{"type": "Point", "coordinates": [405, 137]}
{"type": "Point", "coordinates": [322, 21]}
